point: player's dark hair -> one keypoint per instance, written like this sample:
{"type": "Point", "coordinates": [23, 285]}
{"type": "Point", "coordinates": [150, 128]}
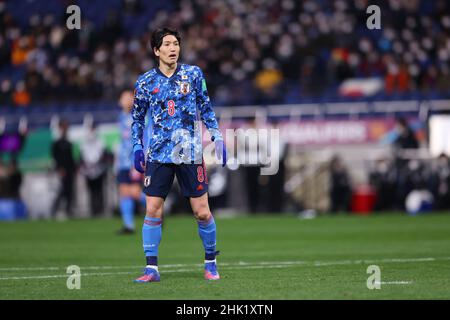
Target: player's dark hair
{"type": "Point", "coordinates": [158, 35]}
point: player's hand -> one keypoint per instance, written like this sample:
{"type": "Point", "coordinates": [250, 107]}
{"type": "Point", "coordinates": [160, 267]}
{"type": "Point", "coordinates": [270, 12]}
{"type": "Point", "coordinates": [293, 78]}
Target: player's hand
{"type": "Point", "coordinates": [221, 151]}
{"type": "Point", "coordinates": [135, 175]}
{"type": "Point", "coordinates": [139, 160]}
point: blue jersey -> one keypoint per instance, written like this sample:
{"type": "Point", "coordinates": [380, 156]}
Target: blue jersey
{"type": "Point", "coordinates": [125, 156]}
{"type": "Point", "coordinates": [176, 107]}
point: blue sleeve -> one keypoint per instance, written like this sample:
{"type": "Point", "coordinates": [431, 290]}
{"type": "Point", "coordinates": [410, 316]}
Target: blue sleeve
{"type": "Point", "coordinates": [206, 111]}
{"type": "Point", "coordinates": [138, 113]}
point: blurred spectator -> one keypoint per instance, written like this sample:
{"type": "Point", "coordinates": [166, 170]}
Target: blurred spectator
{"type": "Point", "coordinates": [5, 51]}
{"type": "Point", "coordinates": [397, 79]}
{"type": "Point", "coordinates": [65, 167]}
{"type": "Point", "coordinates": [21, 97]}
{"type": "Point", "coordinates": [132, 7]}
{"type": "Point", "coordinates": [5, 92]}
{"type": "Point", "coordinates": [406, 138]}
{"type": "Point", "coordinates": [20, 50]}
{"type": "Point", "coordinates": [93, 167]}
{"type": "Point", "coordinates": [267, 82]}
{"type": "Point", "coordinates": [276, 194]}
{"type": "Point", "coordinates": [4, 190]}
{"type": "Point", "coordinates": [248, 148]}
{"type": "Point", "coordinates": [11, 205]}
{"type": "Point", "coordinates": [340, 186]}
{"type": "Point", "coordinates": [14, 180]}
{"type": "Point", "coordinates": [383, 180]}
{"type": "Point", "coordinates": [409, 171]}
{"type": "Point", "coordinates": [442, 195]}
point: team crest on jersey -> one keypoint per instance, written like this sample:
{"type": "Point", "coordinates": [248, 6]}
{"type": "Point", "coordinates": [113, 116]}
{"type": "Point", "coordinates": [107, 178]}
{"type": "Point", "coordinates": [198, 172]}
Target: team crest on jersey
{"type": "Point", "coordinates": [147, 181]}
{"type": "Point", "coordinates": [185, 87]}
{"type": "Point", "coordinates": [184, 77]}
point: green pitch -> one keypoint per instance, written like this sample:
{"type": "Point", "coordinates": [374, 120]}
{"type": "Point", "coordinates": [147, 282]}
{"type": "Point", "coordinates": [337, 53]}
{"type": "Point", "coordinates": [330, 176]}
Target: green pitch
{"type": "Point", "coordinates": [262, 257]}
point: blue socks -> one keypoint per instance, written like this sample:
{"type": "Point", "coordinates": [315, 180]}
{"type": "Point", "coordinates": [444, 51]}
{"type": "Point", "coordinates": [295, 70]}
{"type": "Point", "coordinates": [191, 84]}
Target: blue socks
{"type": "Point", "coordinates": [151, 237]}
{"type": "Point", "coordinates": [207, 232]}
{"type": "Point", "coordinates": [127, 212]}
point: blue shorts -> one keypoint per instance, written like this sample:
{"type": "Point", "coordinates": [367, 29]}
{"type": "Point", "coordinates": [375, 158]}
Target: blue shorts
{"type": "Point", "coordinates": [124, 177]}
{"type": "Point", "coordinates": [159, 177]}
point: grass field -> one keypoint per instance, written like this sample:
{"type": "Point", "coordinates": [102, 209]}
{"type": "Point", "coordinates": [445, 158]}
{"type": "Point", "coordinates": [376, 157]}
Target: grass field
{"type": "Point", "coordinates": [262, 257]}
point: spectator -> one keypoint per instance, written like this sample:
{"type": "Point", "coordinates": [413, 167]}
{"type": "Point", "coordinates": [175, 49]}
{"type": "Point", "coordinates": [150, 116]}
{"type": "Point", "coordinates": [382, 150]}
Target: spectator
{"type": "Point", "coordinates": [93, 167]}
{"type": "Point", "coordinates": [383, 180]}
{"type": "Point", "coordinates": [276, 194]}
{"type": "Point", "coordinates": [267, 81]}
{"type": "Point", "coordinates": [20, 50]}
{"type": "Point", "coordinates": [5, 92]}
{"type": "Point", "coordinates": [408, 170]}
{"type": "Point", "coordinates": [248, 156]}
{"type": "Point", "coordinates": [340, 186]}
{"type": "Point", "coordinates": [397, 80]}
{"type": "Point", "coordinates": [14, 180]}
{"type": "Point", "coordinates": [21, 97]}
{"type": "Point", "coordinates": [5, 51]}
{"type": "Point", "coordinates": [3, 179]}
{"type": "Point", "coordinates": [406, 138]}
{"type": "Point", "coordinates": [65, 167]}
{"type": "Point", "coordinates": [442, 195]}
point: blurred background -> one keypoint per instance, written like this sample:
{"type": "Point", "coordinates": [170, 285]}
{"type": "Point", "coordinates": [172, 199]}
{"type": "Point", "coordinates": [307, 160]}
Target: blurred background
{"type": "Point", "coordinates": [364, 115]}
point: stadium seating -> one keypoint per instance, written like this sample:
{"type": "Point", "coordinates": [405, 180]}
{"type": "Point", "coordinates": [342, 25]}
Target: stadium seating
{"type": "Point", "coordinates": [315, 45]}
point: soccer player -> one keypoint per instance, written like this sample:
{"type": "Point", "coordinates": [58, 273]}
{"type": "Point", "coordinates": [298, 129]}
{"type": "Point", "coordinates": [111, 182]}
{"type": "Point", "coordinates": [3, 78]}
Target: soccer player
{"type": "Point", "coordinates": [176, 98]}
{"type": "Point", "coordinates": [128, 178]}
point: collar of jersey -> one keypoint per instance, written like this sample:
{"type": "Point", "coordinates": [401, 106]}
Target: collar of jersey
{"type": "Point", "coordinates": [176, 71]}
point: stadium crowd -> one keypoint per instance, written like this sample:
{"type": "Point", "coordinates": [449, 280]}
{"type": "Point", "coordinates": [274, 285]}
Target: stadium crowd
{"type": "Point", "coordinates": [252, 52]}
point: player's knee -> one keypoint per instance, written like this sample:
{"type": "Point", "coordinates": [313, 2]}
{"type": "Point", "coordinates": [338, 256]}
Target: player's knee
{"type": "Point", "coordinates": [135, 192]}
{"type": "Point", "coordinates": [123, 190]}
{"type": "Point", "coordinates": [154, 210]}
{"type": "Point", "coordinates": [202, 212]}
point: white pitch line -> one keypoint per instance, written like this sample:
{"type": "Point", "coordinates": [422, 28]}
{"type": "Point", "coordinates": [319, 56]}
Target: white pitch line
{"type": "Point", "coordinates": [239, 265]}
{"type": "Point", "coordinates": [169, 266]}
{"type": "Point", "coordinates": [394, 282]}
{"type": "Point", "coordinates": [129, 272]}
{"type": "Point", "coordinates": [64, 276]}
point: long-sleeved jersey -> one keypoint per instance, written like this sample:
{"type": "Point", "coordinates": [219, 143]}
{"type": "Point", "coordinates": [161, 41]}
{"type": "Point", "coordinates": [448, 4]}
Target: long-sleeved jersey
{"type": "Point", "coordinates": [176, 105]}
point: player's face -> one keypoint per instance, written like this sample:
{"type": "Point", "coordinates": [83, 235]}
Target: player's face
{"type": "Point", "coordinates": [169, 51]}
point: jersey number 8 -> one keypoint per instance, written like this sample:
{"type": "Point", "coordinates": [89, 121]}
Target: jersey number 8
{"type": "Point", "coordinates": [171, 107]}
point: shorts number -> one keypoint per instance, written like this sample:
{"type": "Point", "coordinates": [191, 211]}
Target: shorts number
{"type": "Point", "coordinates": [200, 174]}
{"type": "Point", "coordinates": [171, 107]}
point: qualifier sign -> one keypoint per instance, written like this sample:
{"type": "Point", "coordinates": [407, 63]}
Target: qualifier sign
{"type": "Point", "coordinates": [332, 132]}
